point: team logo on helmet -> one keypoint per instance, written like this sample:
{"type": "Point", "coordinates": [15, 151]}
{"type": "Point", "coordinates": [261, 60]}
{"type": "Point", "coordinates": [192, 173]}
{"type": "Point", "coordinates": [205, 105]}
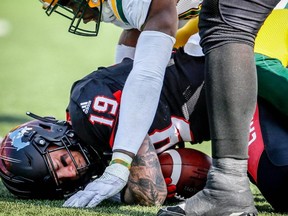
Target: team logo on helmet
{"type": "Point", "coordinates": [17, 138]}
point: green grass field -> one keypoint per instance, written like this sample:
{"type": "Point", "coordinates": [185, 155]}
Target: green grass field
{"type": "Point", "coordinates": [39, 61]}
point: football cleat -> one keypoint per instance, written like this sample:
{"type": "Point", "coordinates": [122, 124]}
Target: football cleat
{"type": "Point", "coordinates": [172, 211]}
{"type": "Point", "coordinates": [227, 193]}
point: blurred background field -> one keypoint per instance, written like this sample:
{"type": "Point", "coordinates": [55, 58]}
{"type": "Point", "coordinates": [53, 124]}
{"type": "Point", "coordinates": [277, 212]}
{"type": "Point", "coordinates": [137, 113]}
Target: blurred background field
{"type": "Point", "coordinates": [39, 61]}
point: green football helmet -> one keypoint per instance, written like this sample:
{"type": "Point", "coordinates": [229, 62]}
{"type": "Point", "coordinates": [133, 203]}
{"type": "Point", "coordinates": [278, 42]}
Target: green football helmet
{"type": "Point", "coordinates": [79, 12]}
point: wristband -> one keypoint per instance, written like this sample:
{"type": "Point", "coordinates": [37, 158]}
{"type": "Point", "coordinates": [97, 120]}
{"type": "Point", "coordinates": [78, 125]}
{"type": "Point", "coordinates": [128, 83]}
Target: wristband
{"type": "Point", "coordinates": [121, 158]}
{"type": "Point", "coordinates": [119, 161]}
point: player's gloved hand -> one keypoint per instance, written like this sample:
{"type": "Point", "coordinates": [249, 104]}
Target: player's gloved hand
{"type": "Point", "coordinates": [171, 188]}
{"type": "Point", "coordinates": [112, 181]}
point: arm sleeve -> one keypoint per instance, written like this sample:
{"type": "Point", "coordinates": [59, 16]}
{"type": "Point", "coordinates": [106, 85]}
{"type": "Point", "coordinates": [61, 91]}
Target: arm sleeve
{"type": "Point", "coordinates": [142, 89]}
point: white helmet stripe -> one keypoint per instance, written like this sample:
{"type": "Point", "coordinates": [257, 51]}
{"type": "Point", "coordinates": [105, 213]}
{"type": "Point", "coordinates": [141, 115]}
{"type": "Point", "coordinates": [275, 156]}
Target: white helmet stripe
{"type": "Point", "coordinates": [176, 170]}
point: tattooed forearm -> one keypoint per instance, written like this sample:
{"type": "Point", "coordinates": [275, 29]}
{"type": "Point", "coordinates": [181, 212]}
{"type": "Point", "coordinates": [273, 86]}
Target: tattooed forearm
{"type": "Point", "coordinates": [146, 185]}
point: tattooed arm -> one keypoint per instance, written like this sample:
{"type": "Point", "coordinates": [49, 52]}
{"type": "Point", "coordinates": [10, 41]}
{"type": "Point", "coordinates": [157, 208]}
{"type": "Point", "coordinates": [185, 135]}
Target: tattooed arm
{"type": "Point", "coordinates": [146, 185]}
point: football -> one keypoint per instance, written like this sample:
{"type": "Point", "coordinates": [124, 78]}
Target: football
{"type": "Point", "coordinates": [187, 168]}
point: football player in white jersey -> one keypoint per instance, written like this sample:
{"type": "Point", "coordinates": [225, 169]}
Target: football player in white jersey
{"type": "Point", "coordinates": [156, 23]}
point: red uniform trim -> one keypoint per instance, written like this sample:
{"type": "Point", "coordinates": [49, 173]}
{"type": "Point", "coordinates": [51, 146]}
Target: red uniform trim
{"type": "Point", "coordinates": [117, 96]}
{"type": "Point", "coordinates": [256, 145]}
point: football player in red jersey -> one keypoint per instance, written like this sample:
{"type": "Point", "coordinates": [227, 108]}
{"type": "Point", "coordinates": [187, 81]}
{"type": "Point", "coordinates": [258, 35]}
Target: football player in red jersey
{"type": "Point", "coordinates": [102, 116]}
{"type": "Point", "coordinates": [181, 117]}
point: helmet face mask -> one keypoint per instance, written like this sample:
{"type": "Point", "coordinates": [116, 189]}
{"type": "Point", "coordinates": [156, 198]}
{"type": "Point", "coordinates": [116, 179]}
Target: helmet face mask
{"type": "Point", "coordinates": [68, 147]}
{"type": "Point", "coordinates": [79, 12]}
{"type": "Point", "coordinates": [26, 166]}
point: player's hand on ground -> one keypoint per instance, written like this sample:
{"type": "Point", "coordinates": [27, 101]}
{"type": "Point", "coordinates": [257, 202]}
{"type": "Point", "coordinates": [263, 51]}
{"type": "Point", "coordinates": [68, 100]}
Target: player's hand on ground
{"type": "Point", "coordinates": [109, 184]}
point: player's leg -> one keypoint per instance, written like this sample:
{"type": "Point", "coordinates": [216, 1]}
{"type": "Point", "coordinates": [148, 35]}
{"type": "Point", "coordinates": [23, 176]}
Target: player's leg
{"type": "Point", "coordinates": [231, 100]}
{"type": "Point", "coordinates": [227, 189]}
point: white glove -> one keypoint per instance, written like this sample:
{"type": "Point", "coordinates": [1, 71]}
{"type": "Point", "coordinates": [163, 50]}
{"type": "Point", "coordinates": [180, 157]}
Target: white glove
{"type": "Point", "coordinates": [110, 183]}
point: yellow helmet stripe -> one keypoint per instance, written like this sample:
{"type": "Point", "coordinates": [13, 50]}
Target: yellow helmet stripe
{"type": "Point", "coordinates": [47, 3]}
{"type": "Point", "coordinates": [94, 3]}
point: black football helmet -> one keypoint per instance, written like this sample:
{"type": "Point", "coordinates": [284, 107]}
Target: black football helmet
{"type": "Point", "coordinates": [74, 10]}
{"type": "Point", "coordinates": [25, 162]}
